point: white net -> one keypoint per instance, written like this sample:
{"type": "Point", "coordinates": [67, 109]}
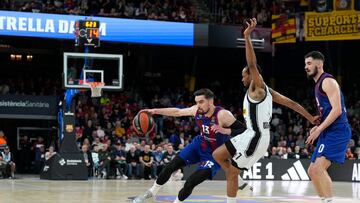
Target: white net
{"type": "Point", "coordinates": [96, 88]}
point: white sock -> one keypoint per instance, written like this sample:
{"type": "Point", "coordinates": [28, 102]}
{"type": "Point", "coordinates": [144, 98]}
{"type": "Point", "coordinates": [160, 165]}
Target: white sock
{"type": "Point", "coordinates": [155, 188]}
{"type": "Point", "coordinates": [231, 200]}
{"type": "Point", "coordinates": [240, 181]}
{"type": "Point", "coordinates": [322, 199]}
{"type": "Point", "coordinates": [177, 200]}
{"type": "Point", "coordinates": [328, 199]}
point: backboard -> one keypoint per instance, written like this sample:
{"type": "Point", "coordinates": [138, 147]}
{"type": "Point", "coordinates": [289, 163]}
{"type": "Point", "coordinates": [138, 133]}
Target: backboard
{"type": "Point", "coordinates": [81, 68]}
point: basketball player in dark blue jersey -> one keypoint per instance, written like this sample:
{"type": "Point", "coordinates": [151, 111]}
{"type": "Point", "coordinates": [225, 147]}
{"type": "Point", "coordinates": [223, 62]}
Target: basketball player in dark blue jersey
{"type": "Point", "coordinates": [200, 150]}
{"type": "Point", "coordinates": [333, 133]}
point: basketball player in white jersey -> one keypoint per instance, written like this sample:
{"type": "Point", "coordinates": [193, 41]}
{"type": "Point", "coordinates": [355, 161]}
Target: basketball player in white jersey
{"type": "Point", "coordinates": [245, 149]}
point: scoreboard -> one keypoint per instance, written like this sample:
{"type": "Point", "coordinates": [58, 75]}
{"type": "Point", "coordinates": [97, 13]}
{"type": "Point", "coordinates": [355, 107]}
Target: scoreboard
{"type": "Point", "coordinates": [87, 33]}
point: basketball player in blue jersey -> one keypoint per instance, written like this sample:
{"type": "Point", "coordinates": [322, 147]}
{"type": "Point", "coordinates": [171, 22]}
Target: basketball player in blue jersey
{"type": "Point", "coordinates": [245, 149]}
{"type": "Point", "coordinates": [202, 146]}
{"type": "Point", "coordinates": [333, 133]}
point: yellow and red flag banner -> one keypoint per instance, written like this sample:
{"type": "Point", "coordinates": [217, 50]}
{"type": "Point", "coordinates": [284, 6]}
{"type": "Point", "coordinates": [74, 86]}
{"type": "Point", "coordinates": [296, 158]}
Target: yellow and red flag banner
{"type": "Point", "coordinates": [283, 29]}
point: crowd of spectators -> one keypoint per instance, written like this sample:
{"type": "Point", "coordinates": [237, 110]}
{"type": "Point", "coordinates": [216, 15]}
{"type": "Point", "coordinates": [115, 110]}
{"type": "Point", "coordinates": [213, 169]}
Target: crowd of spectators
{"type": "Point", "coordinates": [104, 127]}
{"type": "Point", "coordinates": [300, 6]}
{"type": "Point", "coordinates": [220, 11]}
{"type": "Point", "coordinates": [168, 10]}
{"type": "Point", "coordinates": [236, 11]}
{"type": "Point", "coordinates": [30, 86]}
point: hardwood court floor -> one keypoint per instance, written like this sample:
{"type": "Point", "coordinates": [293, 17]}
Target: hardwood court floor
{"type": "Point", "coordinates": [34, 190]}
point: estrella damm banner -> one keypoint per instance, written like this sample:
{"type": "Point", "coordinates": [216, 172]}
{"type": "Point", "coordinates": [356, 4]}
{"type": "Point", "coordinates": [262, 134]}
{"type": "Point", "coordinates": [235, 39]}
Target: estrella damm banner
{"type": "Point", "coordinates": [340, 25]}
{"type": "Point", "coordinates": [283, 29]}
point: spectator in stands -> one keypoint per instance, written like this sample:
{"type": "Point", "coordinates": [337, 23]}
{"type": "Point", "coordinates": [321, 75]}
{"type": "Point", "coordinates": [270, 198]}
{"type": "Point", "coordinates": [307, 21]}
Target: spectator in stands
{"type": "Point", "coordinates": [133, 162]}
{"type": "Point", "coordinates": [39, 158]}
{"type": "Point", "coordinates": [181, 146]}
{"type": "Point", "coordinates": [95, 159]}
{"type": "Point", "coordinates": [357, 153]}
{"type": "Point", "coordinates": [78, 133]}
{"type": "Point", "coordinates": [104, 160]}
{"type": "Point", "coordinates": [134, 138]}
{"type": "Point", "coordinates": [305, 154]}
{"type": "Point", "coordinates": [119, 130]}
{"type": "Point", "coordinates": [86, 142]}
{"type": "Point", "coordinates": [128, 145]}
{"type": "Point", "coordinates": [100, 132]}
{"type": "Point", "coordinates": [300, 141]}
{"type": "Point", "coordinates": [158, 161]}
{"type": "Point", "coordinates": [146, 159]}
{"type": "Point", "coordinates": [120, 160]}
{"type": "Point", "coordinates": [87, 158]}
{"type": "Point", "coordinates": [88, 131]}
{"type": "Point", "coordinates": [50, 153]}
{"type": "Point", "coordinates": [282, 142]}
{"type": "Point", "coordinates": [10, 164]}
{"type": "Point", "coordinates": [169, 154]}
{"type": "Point", "coordinates": [274, 154]}
{"type": "Point", "coordinates": [284, 154]}
{"type": "Point", "coordinates": [38, 147]}
{"type": "Point", "coordinates": [141, 11]}
{"type": "Point", "coordinates": [349, 155]}
{"type": "Point", "coordinates": [158, 139]}
{"type": "Point", "coordinates": [297, 152]}
{"type": "Point", "coordinates": [290, 154]}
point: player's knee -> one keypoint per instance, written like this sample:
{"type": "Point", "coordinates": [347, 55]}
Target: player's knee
{"type": "Point", "coordinates": [310, 171]}
{"type": "Point", "coordinates": [314, 171]}
{"type": "Point", "coordinates": [217, 156]}
{"type": "Point", "coordinates": [170, 168]}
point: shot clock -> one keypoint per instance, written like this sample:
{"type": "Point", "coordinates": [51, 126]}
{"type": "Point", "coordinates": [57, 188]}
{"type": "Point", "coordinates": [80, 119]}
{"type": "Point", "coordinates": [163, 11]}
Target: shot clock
{"type": "Point", "coordinates": [87, 33]}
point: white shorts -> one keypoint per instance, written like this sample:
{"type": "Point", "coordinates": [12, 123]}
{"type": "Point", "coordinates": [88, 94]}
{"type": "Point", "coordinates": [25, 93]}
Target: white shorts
{"type": "Point", "coordinates": [247, 148]}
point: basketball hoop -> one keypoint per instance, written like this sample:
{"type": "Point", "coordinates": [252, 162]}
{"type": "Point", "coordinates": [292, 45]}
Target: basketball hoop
{"type": "Point", "coordinates": [96, 88]}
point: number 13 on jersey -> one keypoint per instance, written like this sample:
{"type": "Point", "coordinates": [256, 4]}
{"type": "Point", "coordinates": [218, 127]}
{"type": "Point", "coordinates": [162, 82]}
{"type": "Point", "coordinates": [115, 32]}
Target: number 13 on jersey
{"type": "Point", "coordinates": [205, 129]}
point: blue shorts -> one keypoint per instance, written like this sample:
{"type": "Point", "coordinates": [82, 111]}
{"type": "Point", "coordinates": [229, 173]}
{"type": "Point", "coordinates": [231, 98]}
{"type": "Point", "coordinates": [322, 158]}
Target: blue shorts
{"type": "Point", "coordinates": [194, 153]}
{"type": "Point", "coordinates": [333, 142]}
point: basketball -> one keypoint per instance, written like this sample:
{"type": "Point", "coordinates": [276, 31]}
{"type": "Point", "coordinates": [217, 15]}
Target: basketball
{"type": "Point", "coordinates": [143, 122]}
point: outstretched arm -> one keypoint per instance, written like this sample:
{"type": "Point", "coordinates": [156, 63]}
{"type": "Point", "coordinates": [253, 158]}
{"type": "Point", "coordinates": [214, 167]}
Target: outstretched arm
{"type": "Point", "coordinates": [250, 55]}
{"type": "Point", "coordinates": [285, 101]}
{"type": "Point", "coordinates": [191, 111]}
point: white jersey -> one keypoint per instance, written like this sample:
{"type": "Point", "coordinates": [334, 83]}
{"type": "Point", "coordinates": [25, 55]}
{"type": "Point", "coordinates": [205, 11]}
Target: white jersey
{"type": "Point", "coordinates": [248, 147]}
{"type": "Point", "coordinates": [257, 114]}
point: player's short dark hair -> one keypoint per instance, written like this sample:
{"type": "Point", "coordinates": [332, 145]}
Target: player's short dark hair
{"type": "Point", "coordinates": [206, 92]}
{"type": "Point", "coordinates": [258, 67]}
{"type": "Point", "coordinates": [315, 55]}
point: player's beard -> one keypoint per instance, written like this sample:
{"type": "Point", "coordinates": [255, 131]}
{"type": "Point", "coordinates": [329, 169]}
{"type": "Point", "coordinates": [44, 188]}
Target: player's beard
{"type": "Point", "coordinates": [313, 74]}
{"type": "Point", "coordinates": [202, 112]}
